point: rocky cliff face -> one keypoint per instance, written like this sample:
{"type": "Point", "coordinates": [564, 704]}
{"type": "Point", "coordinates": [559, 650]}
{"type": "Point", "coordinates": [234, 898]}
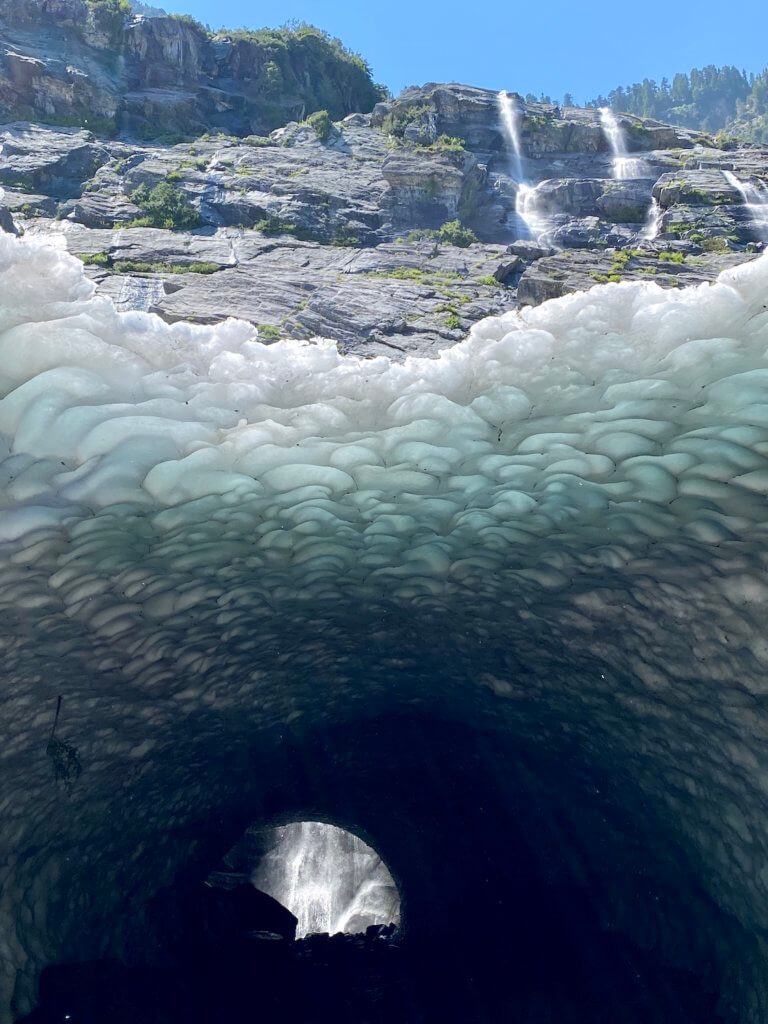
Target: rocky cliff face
{"type": "Point", "coordinates": [424, 113]}
{"type": "Point", "coordinates": [346, 230]}
{"type": "Point", "coordinates": [74, 62]}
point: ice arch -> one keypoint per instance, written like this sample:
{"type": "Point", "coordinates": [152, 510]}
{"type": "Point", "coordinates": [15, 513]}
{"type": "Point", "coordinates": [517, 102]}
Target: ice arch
{"type": "Point", "coordinates": [540, 558]}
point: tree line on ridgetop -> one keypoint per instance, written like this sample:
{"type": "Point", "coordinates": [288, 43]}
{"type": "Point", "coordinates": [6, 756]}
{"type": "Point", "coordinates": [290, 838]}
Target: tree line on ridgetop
{"type": "Point", "coordinates": [709, 99]}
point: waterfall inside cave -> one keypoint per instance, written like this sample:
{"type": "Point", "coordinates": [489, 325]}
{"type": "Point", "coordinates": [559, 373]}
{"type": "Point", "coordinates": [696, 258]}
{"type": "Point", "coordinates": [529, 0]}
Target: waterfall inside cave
{"type": "Point", "coordinates": [329, 878]}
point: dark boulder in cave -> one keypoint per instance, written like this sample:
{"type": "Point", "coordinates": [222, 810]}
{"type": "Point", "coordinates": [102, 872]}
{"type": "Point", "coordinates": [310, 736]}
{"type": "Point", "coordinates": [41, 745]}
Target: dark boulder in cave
{"type": "Point", "coordinates": [232, 914]}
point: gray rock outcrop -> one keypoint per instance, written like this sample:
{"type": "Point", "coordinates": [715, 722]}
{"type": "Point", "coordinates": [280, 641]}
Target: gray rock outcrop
{"type": "Point", "coordinates": [353, 235]}
{"type": "Point", "coordinates": [74, 62]}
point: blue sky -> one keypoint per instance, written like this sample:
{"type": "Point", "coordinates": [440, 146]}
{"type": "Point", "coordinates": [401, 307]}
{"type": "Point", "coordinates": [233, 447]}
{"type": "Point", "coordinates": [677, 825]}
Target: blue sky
{"type": "Point", "coordinates": [549, 46]}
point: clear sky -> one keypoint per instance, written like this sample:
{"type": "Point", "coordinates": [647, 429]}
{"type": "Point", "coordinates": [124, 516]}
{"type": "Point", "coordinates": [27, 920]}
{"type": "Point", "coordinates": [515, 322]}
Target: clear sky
{"type": "Point", "coordinates": [549, 46]}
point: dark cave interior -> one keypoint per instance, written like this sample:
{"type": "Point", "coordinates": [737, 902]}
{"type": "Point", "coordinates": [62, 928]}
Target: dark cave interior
{"type": "Point", "coordinates": [534, 887]}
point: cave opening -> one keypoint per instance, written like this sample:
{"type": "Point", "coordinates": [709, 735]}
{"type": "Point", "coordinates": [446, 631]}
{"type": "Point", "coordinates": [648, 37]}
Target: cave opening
{"type": "Point", "coordinates": [328, 878]}
{"type": "Point", "coordinates": [537, 882]}
{"type": "Point", "coordinates": [537, 879]}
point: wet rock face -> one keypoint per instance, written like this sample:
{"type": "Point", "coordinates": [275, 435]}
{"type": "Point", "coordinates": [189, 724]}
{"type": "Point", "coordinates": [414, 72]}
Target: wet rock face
{"type": "Point", "coordinates": [340, 236]}
{"type": "Point", "coordinates": [426, 189]}
{"type": "Point", "coordinates": [623, 202]}
{"type": "Point", "coordinates": [58, 62]}
{"type": "Point", "coordinates": [575, 270]}
{"type": "Point", "coordinates": [167, 53]}
{"type": "Point", "coordinates": [576, 196]}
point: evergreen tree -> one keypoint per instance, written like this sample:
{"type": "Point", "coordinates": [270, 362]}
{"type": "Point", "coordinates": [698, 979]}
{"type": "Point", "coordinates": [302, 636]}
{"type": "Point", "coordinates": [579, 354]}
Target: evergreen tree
{"type": "Point", "coordinates": [710, 99]}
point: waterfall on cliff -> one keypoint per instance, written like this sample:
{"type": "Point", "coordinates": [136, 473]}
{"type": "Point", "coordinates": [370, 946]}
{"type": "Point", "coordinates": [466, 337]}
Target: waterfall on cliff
{"type": "Point", "coordinates": [331, 880]}
{"type": "Point", "coordinates": [511, 116]}
{"type": "Point", "coordinates": [755, 196]}
{"type": "Point", "coordinates": [528, 211]}
{"type": "Point", "coordinates": [530, 219]}
{"type": "Point", "coordinates": [624, 166]}
{"type": "Point", "coordinates": [652, 225]}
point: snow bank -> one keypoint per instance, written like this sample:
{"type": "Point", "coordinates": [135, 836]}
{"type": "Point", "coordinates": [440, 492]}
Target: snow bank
{"type": "Point", "coordinates": [627, 410]}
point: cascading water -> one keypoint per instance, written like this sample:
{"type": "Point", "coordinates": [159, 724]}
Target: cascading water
{"type": "Point", "coordinates": [755, 196]}
{"type": "Point", "coordinates": [528, 212]}
{"type": "Point", "coordinates": [331, 880]}
{"type": "Point", "coordinates": [534, 223]}
{"type": "Point", "coordinates": [511, 116]}
{"type": "Point", "coordinates": [624, 166]}
{"type": "Point", "coordinates": [652, 225]}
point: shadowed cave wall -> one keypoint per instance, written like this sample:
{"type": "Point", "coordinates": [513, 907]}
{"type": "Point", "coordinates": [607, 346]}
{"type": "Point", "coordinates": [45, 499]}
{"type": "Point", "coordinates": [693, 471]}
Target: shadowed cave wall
{"type": "Point", "coordinates": [498, 613]}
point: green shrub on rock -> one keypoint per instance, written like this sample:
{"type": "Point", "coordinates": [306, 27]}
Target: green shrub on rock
{"type": "Point", "coordinates": [453, 232]}
{"type": "Point", "coordinates": [447, 144]}
{"type": "Point", "coordinates": [193, 23]}
{"type": "Point", "coordinates": [96, 259]}
{"type": "Point", "coordinates": [121, 8]}
{"type": "Point", "coordinates": [164, 207]}
{"type": "Point", "coordinates": [716, 244]}
{"type": "Point", "coordinates": [143, 267]}
{"type": "Point", "coordinates": [258, 140]}
{"type": "Point", "coordinates": [397, 120]}
{"type": "Point", "coordinates": [105, 262]}
{"type": "Point", "coordinates": [110, 15]}
{"type": "Point", "coordinates": [321, 122]}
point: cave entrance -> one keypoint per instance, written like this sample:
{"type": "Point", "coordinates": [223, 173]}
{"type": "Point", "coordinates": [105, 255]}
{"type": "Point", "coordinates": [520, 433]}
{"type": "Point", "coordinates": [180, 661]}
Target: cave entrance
{"type": "Point", "coordinates": [328, 878]}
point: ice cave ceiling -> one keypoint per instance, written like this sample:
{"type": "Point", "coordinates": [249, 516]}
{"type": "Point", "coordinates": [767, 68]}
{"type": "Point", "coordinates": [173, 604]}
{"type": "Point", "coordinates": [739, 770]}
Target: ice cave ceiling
{"type": "Point", "coordinates": [523, 582]}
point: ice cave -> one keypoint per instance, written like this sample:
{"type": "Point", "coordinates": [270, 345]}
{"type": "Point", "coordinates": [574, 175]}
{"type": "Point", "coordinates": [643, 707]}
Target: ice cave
{"type": "Point", "coordinates": [500, 614]}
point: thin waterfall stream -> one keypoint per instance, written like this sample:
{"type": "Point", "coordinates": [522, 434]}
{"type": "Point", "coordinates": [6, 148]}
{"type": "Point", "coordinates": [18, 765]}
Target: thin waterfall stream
{"type": "Point", "coordinates": [652, 226]}
{"type": "Point", "coordinates": [755, 197]}
{"type": "Point", "coordinates": [624, 166]}
{"type": "Point", "coordinates": [529, 216]}
{"type": "Point", "coordinates": [511, 116]}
